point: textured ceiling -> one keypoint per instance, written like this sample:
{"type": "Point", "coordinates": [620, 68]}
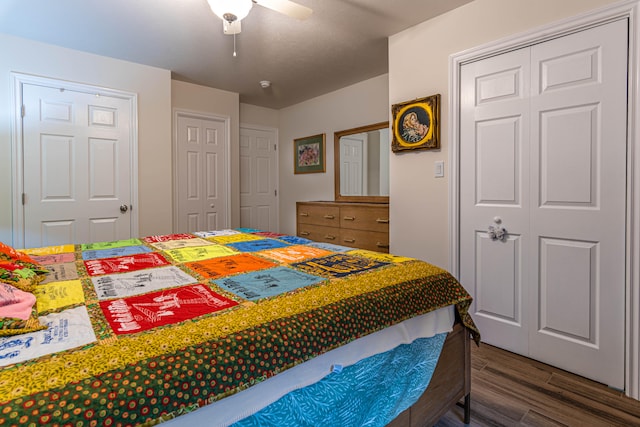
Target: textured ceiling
{"type": "Point", "coordinates": [343, 42]}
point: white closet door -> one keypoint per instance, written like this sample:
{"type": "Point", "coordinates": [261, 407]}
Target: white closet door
{"type": "Point", "coordinates": [494, 177]}
{"type": "Point", "coordinates": [543, 154]}
{"type": "Point", "coordinates": [578, 177]}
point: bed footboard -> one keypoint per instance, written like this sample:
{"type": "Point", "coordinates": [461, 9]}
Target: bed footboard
{"type": "Point", "coordinates": [450, 383]}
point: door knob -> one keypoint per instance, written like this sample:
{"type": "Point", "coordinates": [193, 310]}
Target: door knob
{"type": "Point", "coordinates": [497, 231]}
{"type": "Point", "coordinates": [124, 208]}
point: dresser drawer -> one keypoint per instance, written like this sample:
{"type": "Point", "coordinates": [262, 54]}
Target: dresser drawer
{"type": "Point", "coordinates": [318, 215]}
{"type": "Point", "coordinates": [355, 225]}
{"type": "Point", "coordinates": [365, 218]}
{"type": "Point", "coordinates": [371, 240]}
{"type": "Point", "coordinates": [319, 233]}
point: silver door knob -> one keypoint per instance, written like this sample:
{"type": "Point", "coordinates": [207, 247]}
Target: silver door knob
{"type": "Point", "coordinates": [497, 232]}
{"type": "Point", "coordinates": [124, 208]}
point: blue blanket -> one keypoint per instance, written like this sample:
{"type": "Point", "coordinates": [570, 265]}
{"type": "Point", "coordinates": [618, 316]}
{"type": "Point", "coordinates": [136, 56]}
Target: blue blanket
{"type": "Point", "coordinates": [371, 392]}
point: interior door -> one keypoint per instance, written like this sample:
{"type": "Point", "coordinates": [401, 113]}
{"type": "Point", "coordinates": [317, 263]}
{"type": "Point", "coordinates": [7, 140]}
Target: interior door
{"type": "Point", "coordinates": [578, 165]}
{"type": "Point", "coordinates": [494, 191]}
{"type": "Point", "coordinates": [353, 165]}
{"type": "Point", "coordinates": [77, 171]}
{"type": "Point", "coordinates": [201, 174]}
{"type": "Point", "coordinates": [258, 179]}
{"type": "Point", "coordinates": [543, 155]}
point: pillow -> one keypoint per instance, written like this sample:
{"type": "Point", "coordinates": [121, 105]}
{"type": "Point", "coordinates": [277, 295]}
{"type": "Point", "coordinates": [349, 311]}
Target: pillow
{"type": "Point", "coordinates": [17, 311]}
{"type": "Point", "coordinates": [20, 276]}
{"type": "Point", "coordinates": [19, 269]}
{"type": "Point", "coordinates": [8, 253]}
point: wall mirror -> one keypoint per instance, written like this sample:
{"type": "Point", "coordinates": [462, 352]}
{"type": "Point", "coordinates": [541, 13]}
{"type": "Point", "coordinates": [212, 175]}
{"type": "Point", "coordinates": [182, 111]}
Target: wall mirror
{"type": "Point", "coordinates": [362, 164]}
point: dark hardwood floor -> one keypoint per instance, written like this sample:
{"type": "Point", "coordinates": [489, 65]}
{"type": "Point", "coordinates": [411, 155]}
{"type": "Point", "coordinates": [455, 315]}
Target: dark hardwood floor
{"type": "Point", "coordinates": [511, 390]}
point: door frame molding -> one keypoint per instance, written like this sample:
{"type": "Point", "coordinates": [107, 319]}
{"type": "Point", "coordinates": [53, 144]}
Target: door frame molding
{"type": "Point", "coordinates": [626, 9]}
{"type": "Point", "coordinates": [249, 126]}
{"type": "Point", "coordinates": [181, 112]}
{"type": "Point", "coordinates": [18, 81]}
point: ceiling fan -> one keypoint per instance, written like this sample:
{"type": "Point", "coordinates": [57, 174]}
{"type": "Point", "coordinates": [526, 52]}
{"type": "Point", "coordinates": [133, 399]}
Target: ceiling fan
{"type": "Point", "coordinates": [233, 11]}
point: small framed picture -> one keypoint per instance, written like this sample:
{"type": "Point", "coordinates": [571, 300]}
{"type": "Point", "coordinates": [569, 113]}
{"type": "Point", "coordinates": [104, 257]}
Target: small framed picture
{"type": "Point", "coordinates": [416, 124]}
{"type": "Point", "coordinates": [309, 154]}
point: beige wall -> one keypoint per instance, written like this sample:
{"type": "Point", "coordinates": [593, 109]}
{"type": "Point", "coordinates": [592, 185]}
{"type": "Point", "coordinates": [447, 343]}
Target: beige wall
{"type": "Point", "coordinates": [361, 104]}
{"type": "Point", "coordinates": [153, 86]}
{"type": "Point", "coordinates": [260, 116]}
{"type": "Point", "coordinates": [418, 66]}
{"type": "Point", "coordinates": [202, 99]}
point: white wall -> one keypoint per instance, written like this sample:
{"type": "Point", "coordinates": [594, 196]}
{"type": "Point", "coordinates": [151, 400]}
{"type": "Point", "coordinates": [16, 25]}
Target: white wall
{"type": "Point", "coordinates": [202, 99]}
{"type": "Point", "coordinates": [153, 86]}
{"type": "Point", "coordinates": [419, 217]}
{"type": "Point", "coordinates": [361, 104]}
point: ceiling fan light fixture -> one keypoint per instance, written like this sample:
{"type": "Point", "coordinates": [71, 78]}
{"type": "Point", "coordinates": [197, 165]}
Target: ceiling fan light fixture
{"type": "Point", "coordinates": [231, 10]}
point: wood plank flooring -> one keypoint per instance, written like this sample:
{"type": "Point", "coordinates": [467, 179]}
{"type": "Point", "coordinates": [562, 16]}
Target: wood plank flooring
{"type": "Point", "coordinates": [511, 390]}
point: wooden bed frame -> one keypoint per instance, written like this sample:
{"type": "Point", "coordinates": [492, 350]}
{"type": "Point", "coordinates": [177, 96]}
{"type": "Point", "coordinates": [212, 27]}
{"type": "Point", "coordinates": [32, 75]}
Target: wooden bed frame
{"type": "Point", "coordinates": [450, 383]}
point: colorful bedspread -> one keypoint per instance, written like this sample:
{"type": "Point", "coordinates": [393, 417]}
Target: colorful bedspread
{"type": "Point", "coordinates": [143, 330]}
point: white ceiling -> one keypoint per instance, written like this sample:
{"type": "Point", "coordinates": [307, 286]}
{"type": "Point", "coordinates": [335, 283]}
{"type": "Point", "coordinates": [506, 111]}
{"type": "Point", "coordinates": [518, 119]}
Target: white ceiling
{"type": "Point", "coordinates": [343, 42]}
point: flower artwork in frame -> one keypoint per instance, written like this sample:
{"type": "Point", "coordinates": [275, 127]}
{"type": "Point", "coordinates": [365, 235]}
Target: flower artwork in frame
{"type": "Point", "coordinates": [309, 154]}
{"type": "Point", "coordinates": [416, 124]}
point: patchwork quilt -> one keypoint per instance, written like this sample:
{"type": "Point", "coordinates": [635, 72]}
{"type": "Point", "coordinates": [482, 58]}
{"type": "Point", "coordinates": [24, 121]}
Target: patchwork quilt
{"type": "Point", "coordinates": [139, 331]}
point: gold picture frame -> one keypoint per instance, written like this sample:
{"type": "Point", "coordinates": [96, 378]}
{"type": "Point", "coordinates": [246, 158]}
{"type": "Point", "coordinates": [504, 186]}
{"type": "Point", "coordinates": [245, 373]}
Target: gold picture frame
{"type": "Point", "coordinates": [309, 154]}
{"type": "Point", "coordinates": [416, 124]}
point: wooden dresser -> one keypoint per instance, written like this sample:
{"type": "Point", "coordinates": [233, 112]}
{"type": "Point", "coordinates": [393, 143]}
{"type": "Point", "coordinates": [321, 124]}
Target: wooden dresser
{"type": "Point", "coordinates": [357, 225]}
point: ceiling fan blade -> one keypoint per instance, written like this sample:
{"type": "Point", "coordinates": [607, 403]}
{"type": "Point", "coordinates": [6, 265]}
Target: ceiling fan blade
{"type": "Point", "coordinates": [289, 8]}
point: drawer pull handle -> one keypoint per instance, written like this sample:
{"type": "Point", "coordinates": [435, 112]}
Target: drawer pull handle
{"type": "Point", "coordinates": [382, 221]}
{"type": "Point", "coordinates": [329, 216]}
{"type": "Point", "coordinates": [350, 240]}
{"type": "Point", "coordinates": [304, 214]}
{"type": "Point", "coordinates": [349, 218]}
{"type": "Point", "coordinates": [304, 233]}
{"type": "Point", "coordinates": [382, 245]}
{"type": "Point", "coordinates": [330, 237]}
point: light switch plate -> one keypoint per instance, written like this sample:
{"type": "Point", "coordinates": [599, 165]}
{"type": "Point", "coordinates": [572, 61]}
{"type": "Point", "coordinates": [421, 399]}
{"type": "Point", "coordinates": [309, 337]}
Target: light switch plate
{"type": "Point", "coordinates": [438, 169]}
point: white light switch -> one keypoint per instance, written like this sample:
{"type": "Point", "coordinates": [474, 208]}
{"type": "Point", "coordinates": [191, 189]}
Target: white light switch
{"type": "Point", "coordinates": [438, 169]}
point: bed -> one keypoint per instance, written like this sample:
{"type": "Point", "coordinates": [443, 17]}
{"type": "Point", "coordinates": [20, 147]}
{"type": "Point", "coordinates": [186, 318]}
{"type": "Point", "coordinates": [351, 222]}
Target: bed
{"type": "Point", "coordinates": [218, 327]}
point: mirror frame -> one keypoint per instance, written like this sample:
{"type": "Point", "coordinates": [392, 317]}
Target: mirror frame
{"type": "Point", "coordinates": [336, 164]}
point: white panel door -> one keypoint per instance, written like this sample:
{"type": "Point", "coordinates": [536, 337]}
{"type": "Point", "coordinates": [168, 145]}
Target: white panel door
{"type": "Point", "coordinates": [543, 154]}
{"type": "Point", "coordinates": [353, 165]}
{"type": "Point", "coordinates": [578, 177]}
{"type": "Point", "coordinates": [258, 179]}
{"type": "Point", "coordinates": [201, 174]}
{"type": "Point", "coordinates": [77, 171]}
{"type": "Point", "coordinates": [494, 177]}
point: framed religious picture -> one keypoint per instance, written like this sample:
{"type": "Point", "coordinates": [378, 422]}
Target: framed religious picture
{"type": "Point", "coordinates": [416, 124]}
{"type": "Point", "coordinates": [309, 154]}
